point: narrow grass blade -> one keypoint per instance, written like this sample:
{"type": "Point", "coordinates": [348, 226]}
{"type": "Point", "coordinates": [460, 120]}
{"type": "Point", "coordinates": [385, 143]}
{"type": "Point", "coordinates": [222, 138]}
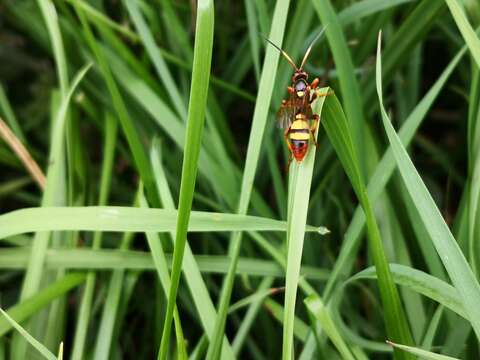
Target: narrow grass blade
{"type": "Point", "coordinates": [381, 176]}
{"type": "Point", "coordinates": [471, 38]}
{"type": "Point", "coordinates": [41, 299]}
{"type": "Point", "coordinates": [337, 130]}
{"type": "Point", "coordinates": [299, 195]}
{"type": "Point", "coordinates": [40, 243]}
{"type": "Point", "coordinates": [259, 122]}
{"type": "Point", "coordinates": [421, 283]}
{"type": "Point", "coordinates": [257, 296]}
{"type": "Point", "coordinates": [7, 111]}
{"type": "Point", "coordinates": [346, 71]}
{"type": "Point", "coordinates": [34, 342]}
{"type": "Point", "coordinates": [138, 260]}
{"type": "Point", "coordinates": [160, 261]}
{"type": "Point", "coordinates": [192, 266]}
{"type": "Point", "coordinates": [105, 180]}
{"type": "Point", "coordinates": [51, 19]}
{"type": "Point", "coordinates": [128, 127]}
{"type": "Point", "coordinates": [196, 117]}
{"type": "Point", "coordinates": [120, 219]}
{"type": "Point", "coordinates": [423, 354]}
{"type": "Point", "coordinates": [253, 35]}
{"type": "Point", "coordinates": [315, 305]}
{"type": "Point", "coordinates": [450, 253]}
{"type": "Point", "coordinates": [156, 57]}
{"type": "Point", "coordinates": [101, 18]}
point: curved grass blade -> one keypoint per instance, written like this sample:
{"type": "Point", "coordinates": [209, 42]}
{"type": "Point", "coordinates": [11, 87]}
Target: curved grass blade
{"type": "Point", "coordinates": [315, 305]}
{"type": "Point", "coordinates": [450, 253]}
{"type": "Point", "coordinates": [160, 66]}
{"type": "Point", "coordinates": [34, 342]}
{"type": "Point", "coordinates": [121, 219]}
{"type": "Point", "coordinates": [382, 174]}
{"type": "Point", "coordinates": [471, 38]}
{"type": "Point", "coordinates": [346, 71]}
{"type": "Point", "coordinates": [25, 309]}
{"type": "Point", "coordinates": [299, 195]}
{"type": "Point", "coordinates": [420, 282]}
{"type": "Point", "coordinates": [202, 58]}
{"type": "Point", "coordinates": [40, 242]}
{"type": "Point", "coordinates": [128, 127]}
{"type": "Point", "coordinates": [337, 130]}
{"type": "Point", "coordinates": [101, 18]}
{"type": "Point", "coordinates": [423, 354]}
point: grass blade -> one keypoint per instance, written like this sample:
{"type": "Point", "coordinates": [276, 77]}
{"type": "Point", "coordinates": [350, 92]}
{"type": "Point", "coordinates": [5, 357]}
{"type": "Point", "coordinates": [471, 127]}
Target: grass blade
{"type": "Point", "coordinates": [315, 305]}
{"type": "Point", "coordinates": [34, 342]}
{"type": "Point", "coordinates": [192, 267]}
{"type": "Point", "coordinates": [450, 253]}
{"type": "Point", "coordinates": [120, 219]}
{"type": "Point", "coordinates": [196, 117]}
{"type": "Point", "coordinates": [471, 38]}
{"type": "Point", "coordinates": [423, 354]}
{"type": "Point", "coordinates": [336, 127]}
{"type": "Point", "coordinates": [300, 185]}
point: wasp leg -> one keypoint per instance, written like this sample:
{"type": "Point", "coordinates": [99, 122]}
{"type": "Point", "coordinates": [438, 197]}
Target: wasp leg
{"type": "Point", "coordinates": [290, 150]}
{"type": "Point", "coordinates": [290, 89]}
{"type": "Point", "coordinates": [313, 128]}
{"type": "Point", "coordinates": [315, 83]}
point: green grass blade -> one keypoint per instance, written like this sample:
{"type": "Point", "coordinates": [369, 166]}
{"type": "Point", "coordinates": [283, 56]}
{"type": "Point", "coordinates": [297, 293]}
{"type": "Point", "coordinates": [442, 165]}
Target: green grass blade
{"type": "Point", "coordinates": [86, 259]}
{"type": "Point", "coordinates": [120, 219]}
{"type": "Point", "coordinates": [111, 308]}
{"type": "Point", "coordinates": [253, 36]}
{"type": "Point", "coordinates": [450, 253]}
{"type": "Point", "coordinates": [336, 128]}
{"type": "Point", "coordinates": [423, 354]}
{"type": "Point", "coordinates": [382, 174]}
{"type": "Point", "coordinates": [156, 57]}
{"type": "Point", "coordinates": [128, 127]}
{"type": "Point", "coordinates": [41, 299]}
{"type": "Point", "coordinates": [259, 122]}
{"type": "Point", "coordinates": [40, 243]}
{"type": "Point", "coordinates": [421, 283]}
{"type": "Point", "coordinates": [365, 8]}
{"type": "Point", "coordinates": [196, 117]}
{"type": "Point", "coordinates": [345, 69]}
{"type": "Point", "coordinates": [105, 180]}
{"type": "Point", "coordinates": [315, 305]}
{"type": "Point", "coordinates": [160, 261]}
{"type": "Point", "coordinates": [192, 267]}
{"type": "Point", "coordinates": [102, 19]}
{"type": "Point", "coordinates": [34, 342]}
{"type": "Point", "coordinates": [50, 17]}
{"type": "Point", "coordinates": [299, 195]}
{"type": "Point", "coordinates": [9, 115]}
{"type": "Point", "coordinates": [471, 38]}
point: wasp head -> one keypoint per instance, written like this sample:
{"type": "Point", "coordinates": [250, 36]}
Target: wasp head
{"type": "Point", "coordinates": [299, 80]}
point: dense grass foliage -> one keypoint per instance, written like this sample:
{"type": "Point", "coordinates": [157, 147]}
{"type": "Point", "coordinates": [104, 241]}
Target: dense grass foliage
{"type": "Point", "coordinates": [113, 114]}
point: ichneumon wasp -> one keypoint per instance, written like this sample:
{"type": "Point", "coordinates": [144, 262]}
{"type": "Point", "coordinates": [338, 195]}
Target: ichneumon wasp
{"type": "Point", "coordinates": [295, 115]}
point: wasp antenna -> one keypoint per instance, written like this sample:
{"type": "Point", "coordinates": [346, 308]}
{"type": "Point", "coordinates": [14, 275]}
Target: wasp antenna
{"type": "Point", "coordinates": [289, 59]}
{"type": "Point", "coordinates": [307, 53]}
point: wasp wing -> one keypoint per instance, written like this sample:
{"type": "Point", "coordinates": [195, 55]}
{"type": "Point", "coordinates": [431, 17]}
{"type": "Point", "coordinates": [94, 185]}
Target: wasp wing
{"type": "Point", "coordinates": [285, 116]}
{"type": "Point", "coordinates": [290, 108]}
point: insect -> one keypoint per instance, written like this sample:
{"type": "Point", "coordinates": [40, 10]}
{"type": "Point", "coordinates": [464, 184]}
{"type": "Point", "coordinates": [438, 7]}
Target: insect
{"type": "Point", "coordinates": [295, 114]}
